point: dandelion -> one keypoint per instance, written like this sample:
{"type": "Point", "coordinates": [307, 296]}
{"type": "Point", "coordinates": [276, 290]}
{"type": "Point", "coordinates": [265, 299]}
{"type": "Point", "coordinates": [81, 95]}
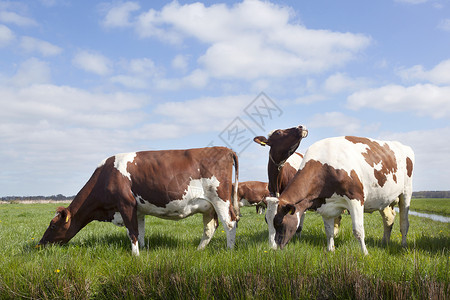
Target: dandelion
{"type": "Point", "coordinates": [57, 270]}
{"type": "Point", "coordinates": [32, 238]}
{"type": "Point", "coordinates": [223, 231]}
{"type": "Point", "coordinates": [265, 251]}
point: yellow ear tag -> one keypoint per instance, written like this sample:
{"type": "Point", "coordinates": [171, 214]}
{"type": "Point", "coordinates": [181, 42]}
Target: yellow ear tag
{"type": "Point", "coordinates": [262, 143]}
{"type": "Point", "coordinates": [67, 218]}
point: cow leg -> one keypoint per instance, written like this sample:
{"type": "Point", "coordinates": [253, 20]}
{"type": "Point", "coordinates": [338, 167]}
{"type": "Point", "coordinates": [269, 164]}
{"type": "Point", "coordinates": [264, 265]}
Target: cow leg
{"type": "Point", "coordinates": [329, 231]}
{"type": "Point", "coordinates": [388, 215]}
{"type": "Point", "coordinates": [128, 211]}
{"type": "Point", "coordinates": [403, 204]}
{"type": "Point", "coordinates": [210, 225]}
{"type": "Point", "coordinates": [141, 230]}
{"type": "Point", "coordinates": [270, 215]}
{"type": "Point", "coordinates": [357, 213]}
{"type": "Point", "coordinates": [300, 225]}
{"type": "Point", "coordinates": [337, 224]}
{"type": "Point", "coordinates": [224, 211]}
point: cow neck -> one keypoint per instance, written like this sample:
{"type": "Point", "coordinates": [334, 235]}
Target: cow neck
{"type": "Point", "coordinates": [303, 189]}
{"type": "Point", "coordinates": [274, 177]}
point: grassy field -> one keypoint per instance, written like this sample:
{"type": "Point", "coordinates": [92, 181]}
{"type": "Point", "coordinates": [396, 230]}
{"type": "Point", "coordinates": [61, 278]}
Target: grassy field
{"type": "Point", "coordinates": [439, 206]}
{"type": "Point", "coordinates": [97, 263]}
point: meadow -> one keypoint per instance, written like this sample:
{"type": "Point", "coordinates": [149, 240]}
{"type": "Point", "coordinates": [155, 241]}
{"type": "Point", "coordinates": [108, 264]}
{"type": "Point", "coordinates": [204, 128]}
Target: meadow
{"type": "Point", "coordinates": [97, 263]}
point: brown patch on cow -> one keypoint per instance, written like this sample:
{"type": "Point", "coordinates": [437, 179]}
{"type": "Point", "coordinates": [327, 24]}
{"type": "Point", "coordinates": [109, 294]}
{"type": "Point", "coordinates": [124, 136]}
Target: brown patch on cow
{"type": "Point", "coordinates": [409, 166]}
{"type": "Point", "coordinates": [317, 182]}
{"type": "Point", "coordinates": [375, 155]}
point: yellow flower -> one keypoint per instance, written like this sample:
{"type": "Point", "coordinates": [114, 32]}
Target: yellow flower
{"type": "Point", "coordinates": [265, 251]}
{"type": "Point", "coordinates": [32, 238]}
{"type": "Point", "coordinates": [57, 270]}
{"type": "Point", "coordinates": [223, 231]}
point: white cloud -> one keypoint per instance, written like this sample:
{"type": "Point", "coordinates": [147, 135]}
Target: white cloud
{"type": "Point", "coordinates": [92, 62]}
{"type": "Point", "coordinates": [31, 71]}
{"type": "Point", "coordinates": [180, 62]}
{"type": "Point", "coordinates": [31, 44]}
{"type": "Point", "coordinates": [242, 46]}
{"type": "Point", "coordinates": [431, 147]}
{"type": "Point", "coordinates": [423, 99]}
{"type": "Point", "coordinates": [338, 121]}
{"type": "Point", "coordinates": [119, 15]}
{"type": "Point", "coordinates": [204, 114]}
{"type": "Point", "coordinates": [440, 74]}
{"type": "Point", "coordinates": [138, 73]}
{"type": "Point", "coordinates": [16, 19]}
{"type": "Point", "coordinates": [444, 25]}
{"type": "Point", "coordinates": [6, 35]}
{"type": "Point", "coordinates": [341, 82]}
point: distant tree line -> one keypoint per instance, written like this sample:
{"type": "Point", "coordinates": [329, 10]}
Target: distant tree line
{"type": "Point", "coordinates": [58, 197]}
{"type": "Point", "coordinates": [432, 194]}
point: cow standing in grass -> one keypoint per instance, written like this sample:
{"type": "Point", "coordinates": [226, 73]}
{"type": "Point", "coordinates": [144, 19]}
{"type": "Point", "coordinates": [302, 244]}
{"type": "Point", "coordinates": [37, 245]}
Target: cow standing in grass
{"type": "Point", "coordinates": [353, 173]}
{"type": "Point", "coordinates": [282, 166]}
{"type": "Point", "coordinates": [170, 184]}
{"type": "Point", "coordinates": [253, 193]}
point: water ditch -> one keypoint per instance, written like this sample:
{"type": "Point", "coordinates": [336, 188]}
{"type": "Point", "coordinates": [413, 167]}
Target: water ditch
{"type": "Point", "coordinates": [428, 216]}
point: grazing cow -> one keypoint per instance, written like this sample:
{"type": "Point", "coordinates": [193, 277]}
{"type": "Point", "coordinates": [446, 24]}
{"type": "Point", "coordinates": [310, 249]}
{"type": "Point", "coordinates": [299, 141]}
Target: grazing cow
{"type": "Point", "coordinates": [353, 173]}
{"type": "Point", "coordinates": [253, 193]}
{"type": "Point", "coordinates": [282, 143]}
{"type": "Point", "coordinates": [170, 184]}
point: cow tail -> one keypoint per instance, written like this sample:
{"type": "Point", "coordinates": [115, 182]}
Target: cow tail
{"type": "Point", "coordinates": [236, 184]}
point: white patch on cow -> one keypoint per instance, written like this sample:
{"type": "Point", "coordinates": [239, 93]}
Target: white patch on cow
{"type": "Point", "coordinates": [117, 219]}
{"type": "Point", "coordinates": [245, 202]}
{"type": "Point", "coordinates": [102, 163]}
{"type": "Point", "coordinates": [196, 199]}
{"type": "Point", "coordinates": [272, 205]}
{"type": "Point", "coordinates": [298, 218]}
{"type": "Point", "coordinates": [295, 161]}
{"type": "Point", "coordinates": [333, 206]}
{"type": "Point", "coordinates": [121, 161]}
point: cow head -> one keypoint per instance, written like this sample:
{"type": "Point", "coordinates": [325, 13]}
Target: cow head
{"type": "Point", "coordinates": [282, 143]}
{"type": "Point", "coordinates": [286, 221]}
{"type": "Point", "coordinates": [60, 229]}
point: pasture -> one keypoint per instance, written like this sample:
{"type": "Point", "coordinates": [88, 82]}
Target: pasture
{"type": "Point", "coordinates": [97, 263]}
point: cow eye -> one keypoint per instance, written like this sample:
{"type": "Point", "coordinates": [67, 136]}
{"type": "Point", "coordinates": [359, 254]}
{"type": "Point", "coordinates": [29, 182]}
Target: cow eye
{"type": "Point", "coordinates": [52, 226]}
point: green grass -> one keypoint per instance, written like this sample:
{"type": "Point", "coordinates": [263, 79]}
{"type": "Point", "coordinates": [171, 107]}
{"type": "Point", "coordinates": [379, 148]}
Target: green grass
{"type": "Point", "coordinates": [97, 263]}
{"type": "Point", "coordinates": [439, 206]}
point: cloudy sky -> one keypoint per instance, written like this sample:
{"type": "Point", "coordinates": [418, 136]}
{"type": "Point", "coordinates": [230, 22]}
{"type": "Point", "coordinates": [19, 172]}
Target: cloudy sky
{"type": "Point", "coordinates": [83, 80]}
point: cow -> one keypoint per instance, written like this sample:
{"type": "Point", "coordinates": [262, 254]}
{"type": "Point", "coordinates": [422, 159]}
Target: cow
{"type": "Point", "coordinates": [282, 166]}
{"type": "Point", "coordinates": [253, 193]}
{"type": "Point", "coordinates": [354, 173]}
{"type": "Point", "coordinates": [283, 160]}
{"type": "Point", "coordinates": [170, 184]}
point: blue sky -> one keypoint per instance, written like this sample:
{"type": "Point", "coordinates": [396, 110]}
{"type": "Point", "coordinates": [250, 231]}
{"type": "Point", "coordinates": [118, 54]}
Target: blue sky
{"type": "Point", "coordinates": [83, 80]}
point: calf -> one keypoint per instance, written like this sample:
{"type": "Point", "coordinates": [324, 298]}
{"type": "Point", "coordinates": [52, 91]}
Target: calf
{"type": "Point", "coordinates": [253, 193]}
{"type": "Point", "coordinates": [353, 173]}
{"type": "Point", "coordinates": [170, 184]}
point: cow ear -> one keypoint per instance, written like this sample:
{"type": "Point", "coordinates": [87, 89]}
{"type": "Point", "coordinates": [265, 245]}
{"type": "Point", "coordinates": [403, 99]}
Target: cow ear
{"type": "Point", "coordinates": [260, 140]}
{"type": "Point", "coordinates": [64, 213]}
{"type": "Point", "coordinates": [289, 209]}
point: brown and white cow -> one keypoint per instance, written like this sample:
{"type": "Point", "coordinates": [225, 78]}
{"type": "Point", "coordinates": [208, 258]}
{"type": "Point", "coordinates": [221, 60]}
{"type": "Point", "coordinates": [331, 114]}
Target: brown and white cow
{"type": "Point", "coordinates": [354, 173]}
{"type": "Point", "coordinates": [170, 184]}
{"type": "Point", "coordinates": [283, 160]}
{"type": "Point", "coordinates": [253, 193]}
{"type": "Point", "coordinates": [281, 171]}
